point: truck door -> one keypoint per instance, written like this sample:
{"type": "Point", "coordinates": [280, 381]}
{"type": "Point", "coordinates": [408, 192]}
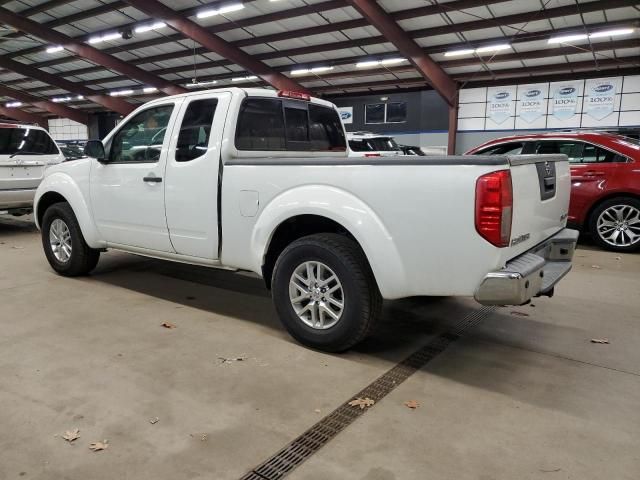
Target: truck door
{"type": "Point", "coordinates": [192, 175]}
{"type": "Point", "coordinates": [127, 190]}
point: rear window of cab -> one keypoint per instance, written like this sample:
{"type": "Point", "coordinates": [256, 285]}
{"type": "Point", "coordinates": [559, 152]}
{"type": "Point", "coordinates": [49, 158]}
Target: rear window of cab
{"type": "Point", "coordinates": [274, 124]}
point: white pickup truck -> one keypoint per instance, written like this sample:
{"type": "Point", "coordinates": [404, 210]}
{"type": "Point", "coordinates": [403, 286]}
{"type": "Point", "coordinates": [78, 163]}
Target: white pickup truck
{"type": "Point", "coordinates": [258, 180]}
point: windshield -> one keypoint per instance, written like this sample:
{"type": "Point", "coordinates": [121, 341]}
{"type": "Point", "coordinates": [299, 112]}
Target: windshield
{"type": "Point", "coordinates": [26, 140]}
{"type": "Point", "coordinates": [376, 144]}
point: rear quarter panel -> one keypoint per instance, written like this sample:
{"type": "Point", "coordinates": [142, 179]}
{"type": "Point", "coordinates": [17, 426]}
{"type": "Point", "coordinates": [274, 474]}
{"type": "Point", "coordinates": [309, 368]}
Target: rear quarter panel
{"type": "Point", "coordinates": [415, 222]}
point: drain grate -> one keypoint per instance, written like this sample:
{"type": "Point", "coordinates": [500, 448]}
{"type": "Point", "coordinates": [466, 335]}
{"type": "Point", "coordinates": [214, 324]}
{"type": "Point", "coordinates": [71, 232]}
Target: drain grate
{"type": "Point", "coordinates": [292, 455]}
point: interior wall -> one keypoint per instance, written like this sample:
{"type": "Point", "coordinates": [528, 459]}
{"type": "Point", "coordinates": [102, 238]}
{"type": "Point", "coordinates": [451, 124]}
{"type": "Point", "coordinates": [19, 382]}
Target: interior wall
{"type": "Point", "coordinates": [65, 129]}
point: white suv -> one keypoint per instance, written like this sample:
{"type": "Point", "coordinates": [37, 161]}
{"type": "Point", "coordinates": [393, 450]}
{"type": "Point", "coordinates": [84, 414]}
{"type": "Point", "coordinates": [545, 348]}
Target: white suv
{"type": "Point", "coordinates": [25, 152]}
{"type": "Point", "coordinates": [367, 144]}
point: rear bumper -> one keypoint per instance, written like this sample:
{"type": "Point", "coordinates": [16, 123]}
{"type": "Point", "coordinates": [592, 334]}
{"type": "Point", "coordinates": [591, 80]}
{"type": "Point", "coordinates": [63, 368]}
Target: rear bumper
{"type": "Point", "coordinates": [531, 274]}
{"type": "Point", "coordinates": [16, 199]}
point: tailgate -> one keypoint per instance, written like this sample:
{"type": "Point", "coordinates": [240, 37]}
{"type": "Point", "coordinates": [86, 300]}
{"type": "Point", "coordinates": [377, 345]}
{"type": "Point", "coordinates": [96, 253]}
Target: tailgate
{"type": "Point", "coordinates": [541, 190]}
{"type": "Point", "coordinates": [21, 174]}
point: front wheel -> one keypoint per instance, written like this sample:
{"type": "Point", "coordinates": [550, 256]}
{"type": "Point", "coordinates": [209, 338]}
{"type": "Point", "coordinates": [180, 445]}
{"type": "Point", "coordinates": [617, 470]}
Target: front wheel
{"type": "Point", "coordinates": [63, 243]}
{"type": "Point", "coordinates": [325, 293]}
{"type": "Point", "coordinates": [615, 224]}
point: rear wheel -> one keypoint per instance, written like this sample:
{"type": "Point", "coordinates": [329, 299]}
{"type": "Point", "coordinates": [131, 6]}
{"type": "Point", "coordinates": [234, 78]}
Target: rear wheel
{"type": "Point", "coordinates": [63, 243]}
{"type": "Point", "coordinates": [325, 293]}
{"type": "Point", "coordinates": [615, 224]}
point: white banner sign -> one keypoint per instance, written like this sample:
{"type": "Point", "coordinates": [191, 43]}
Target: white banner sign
{"type": "Point", "coordinates": [601, 97]}
{"type": "Point", "coordinates": [565, 101]}
{"type": "Point", "coordinates": [346, 114]}
{"type": "Point", "coordinates": [500, 106]}
{"type": "Point", "coordinates": [531, 102]}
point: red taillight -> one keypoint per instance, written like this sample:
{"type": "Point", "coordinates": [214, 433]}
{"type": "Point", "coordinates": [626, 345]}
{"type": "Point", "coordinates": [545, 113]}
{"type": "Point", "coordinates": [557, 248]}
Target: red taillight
{"type": "Point", "coordinates": [293, 94]}
{"type": "Point", "coordinates": [494, 207]}
{"type": "Point", "coordinates": [372, 155]}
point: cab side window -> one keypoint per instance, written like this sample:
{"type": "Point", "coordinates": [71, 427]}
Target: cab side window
{"type": "Point", "coordinates": [193, 139]}
{"type": "Point", "coordinates": [292, 125]}
{"type": "Point", "coordinates": [141, 138]}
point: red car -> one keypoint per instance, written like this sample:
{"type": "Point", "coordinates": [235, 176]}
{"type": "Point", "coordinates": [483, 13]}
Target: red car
{"type": "Point", "coordinates": [605, 177]}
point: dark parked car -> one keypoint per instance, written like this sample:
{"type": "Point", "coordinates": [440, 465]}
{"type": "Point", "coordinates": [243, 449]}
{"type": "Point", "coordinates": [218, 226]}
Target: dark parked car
{"type": "Point", "coordinates": [605, 175]}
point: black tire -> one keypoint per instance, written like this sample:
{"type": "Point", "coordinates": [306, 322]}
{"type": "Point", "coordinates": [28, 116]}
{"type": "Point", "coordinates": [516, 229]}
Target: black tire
{"type": "Point", "coordinates": [593, 224]}
{"type": "Point", "coordinates": [83, 259]}
{"type": "Point", "coordinates": [362, 300]}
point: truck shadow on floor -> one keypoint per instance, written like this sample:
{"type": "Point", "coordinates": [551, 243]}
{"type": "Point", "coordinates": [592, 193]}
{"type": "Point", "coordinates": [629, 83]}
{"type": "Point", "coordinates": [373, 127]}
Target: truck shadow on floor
{"type": "Point", "coordinates": [405, 324]}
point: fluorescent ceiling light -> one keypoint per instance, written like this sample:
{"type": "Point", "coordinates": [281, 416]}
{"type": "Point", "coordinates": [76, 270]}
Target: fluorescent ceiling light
{"type": "Point", "coordinates": [105, 38]}
{"type": "Point", "coordinates": [61, 99]}
{"type": "Point", "coordinates": [302, 71]}
{"type": "Point", "coordinates": [220, 11]}
{"type": "Point", "coordinates": [242, 79]}
{"type": "Point", "coordinates": [568, 38]}
{"type": "Point", "coordinates": [149, 89]}
{"type": "Point", "coordinates": [55, 48]}
{"type": "Point", "coordinates": [200, 84]}
{"type": "Point", "coordinates": [612, 33]}
{"type": "Point", "coordinates": [375, 63]}
{"type": "Point", "coordinates": [150, 26]}
{"type": "Point", "coordinates": [80, 97]}
{"type": "Point", "coordinates": [392, 61]}
{"type": "Point", "coordinates": [493, 48]}
{"type": "Point", "coordinates": [367, 64]}
{"type": "Point", "coordinates": [118, 93]}
{"type": "Point", "coordinates": [464, 51]}
{"type": "Point", "coordinates": [13, 104]}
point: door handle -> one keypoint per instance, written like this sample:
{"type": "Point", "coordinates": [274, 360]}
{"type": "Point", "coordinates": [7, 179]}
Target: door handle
{"type": "Point", "coordinates": [592, 173]}
{"type": "Point", "coordinates": [152, 179]}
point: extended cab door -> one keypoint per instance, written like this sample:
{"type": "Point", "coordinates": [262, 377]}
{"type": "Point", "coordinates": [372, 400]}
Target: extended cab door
{"type": "Point", "coordinates": [127, 189]}
{"type": "Point", "coordinates": [193, 173]}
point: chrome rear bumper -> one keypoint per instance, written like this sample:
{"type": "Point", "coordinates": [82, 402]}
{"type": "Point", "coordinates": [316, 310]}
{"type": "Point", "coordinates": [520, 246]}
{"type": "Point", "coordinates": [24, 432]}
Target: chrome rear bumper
{"type": "Point", "coordinates": [532, 274]}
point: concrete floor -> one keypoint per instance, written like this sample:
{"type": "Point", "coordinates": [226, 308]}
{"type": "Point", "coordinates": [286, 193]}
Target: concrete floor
{"type": "Point", "coordinates": [520, 397]}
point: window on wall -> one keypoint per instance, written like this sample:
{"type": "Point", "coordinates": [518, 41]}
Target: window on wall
{"type": "Point", "coordinates": [374, 113]}
{"type": "Point", "coordinates": [394, 112]}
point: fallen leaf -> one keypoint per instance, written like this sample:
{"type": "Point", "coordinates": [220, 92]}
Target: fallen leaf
{"type": "Point", "coordinates": [597, 267]}
{"type": "Point", "coordinates": [412, 404]}
{"type": "Point", "coordinates": [97, 446]}
{"type": "Point", "coordinates": [600, 340]}
{"type": "Point", "coordinates": [71, 435]}
{"type": "Point", "coordinates": [519, 314]}
{"type": "Point", "coordinates": [362, 403]}
{"type": "Point", "coordinates": [224, 360]}
{"type": "Point", "coordinates": [618, 258]}
{"type": "Point", "coordinates": [154, 420]}
{"type": "Point", "coordinates": [168, 325]}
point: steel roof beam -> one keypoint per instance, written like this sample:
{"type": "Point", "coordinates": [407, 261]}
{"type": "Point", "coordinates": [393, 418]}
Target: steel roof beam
{"type": "Point", "coordinates": [215, 44]}
{"type": "Point", "coordinates": [85, 51]}
{"type": "Point", "coordinates": [271, 17]}
{"type": "Point", "coordinates": [429, 69]}
{"type": "Point", "coordinates": [23, 116]}
{"type": "Point", "coordinates": [55, 108]}
{"type": "Point", "coordinates": [118, 105]}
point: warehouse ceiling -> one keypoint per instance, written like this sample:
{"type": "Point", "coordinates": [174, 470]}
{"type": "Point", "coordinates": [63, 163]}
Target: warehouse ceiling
{"type": "Point", "coordinates": [96, 55]}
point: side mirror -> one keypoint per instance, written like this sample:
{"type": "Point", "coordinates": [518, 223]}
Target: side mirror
{"type": "Point", "coordinates": [95, 149]}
